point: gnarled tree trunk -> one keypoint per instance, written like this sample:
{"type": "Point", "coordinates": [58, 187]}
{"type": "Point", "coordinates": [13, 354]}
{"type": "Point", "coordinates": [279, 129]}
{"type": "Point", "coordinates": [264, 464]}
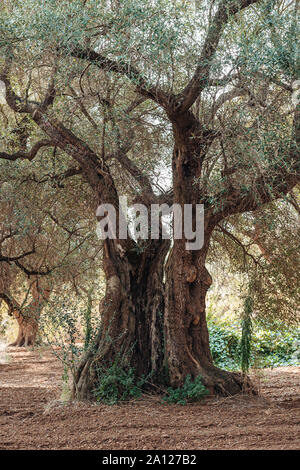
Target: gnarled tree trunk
{"type": "Point", "coordinates": [130, 319]}
{"type": "Point", "coordinates": [161, 329]}
{"type": "Point", "coordinates": [28, 329]}
{"type": "Point", "coordinates": [187, 338]}
{"type": "Point", "coordinates": [131, 316]}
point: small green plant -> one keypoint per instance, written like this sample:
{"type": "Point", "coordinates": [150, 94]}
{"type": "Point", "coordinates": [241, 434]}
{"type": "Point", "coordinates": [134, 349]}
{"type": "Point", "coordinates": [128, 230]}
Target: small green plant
{"type": "Point", "coordinates": [116, 384]}
{"type": "Point", "coordinates": [191, 391]}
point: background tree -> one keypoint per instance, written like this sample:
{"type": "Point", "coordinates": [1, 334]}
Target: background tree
{"type": "Point", "coordinates": [45, 242]}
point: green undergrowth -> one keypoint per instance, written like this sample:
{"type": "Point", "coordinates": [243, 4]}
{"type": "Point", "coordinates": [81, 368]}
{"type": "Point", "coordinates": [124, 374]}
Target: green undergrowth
{"type": "Point", "coordinates": [191, 391]}
{"type": "Point", "coordinates": [117, 384]}
{"type": "Point", "coordinates": [269, 347]}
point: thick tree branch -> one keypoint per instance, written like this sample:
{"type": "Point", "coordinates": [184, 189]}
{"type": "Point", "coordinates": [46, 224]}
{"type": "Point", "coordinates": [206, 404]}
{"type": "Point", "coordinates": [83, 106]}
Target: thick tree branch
{"type": "Point", "coordinates": [238, 242]}
{"type": "Point", "coordinates": [13, 259]}
{"type": "Point", "coordinates": [143, 86]}
{"type": "Point", "coordinates": [227, 96]}
{"type": "Point", "coordinates": [58, 178]}
{"type": "Point", "coordinates": [274, 184]}
{"type": "Point", "coordinates": [32, 272]}
{"type": "Point", "coordinates": [200, 79]}
{"type": "Point", "coordinates": [26, 155]}
{"type": "Point", "coordinates": [137, 173]}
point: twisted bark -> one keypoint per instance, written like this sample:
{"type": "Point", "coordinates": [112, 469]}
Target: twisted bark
{"type": "Point", "coordinates": [131, 317]}
{"type": "Point", "coordinates": [188, 280]}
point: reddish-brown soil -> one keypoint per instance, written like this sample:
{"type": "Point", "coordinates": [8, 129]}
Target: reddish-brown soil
{"type": "Point", "coordinates": [32, 417]}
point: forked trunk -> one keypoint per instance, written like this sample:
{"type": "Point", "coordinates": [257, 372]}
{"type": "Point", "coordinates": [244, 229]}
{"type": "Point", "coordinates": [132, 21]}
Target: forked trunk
{"type": "Point", "coordinates": [160, 333]}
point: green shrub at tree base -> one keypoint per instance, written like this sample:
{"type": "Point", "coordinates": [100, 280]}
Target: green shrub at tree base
{"type": "Point", "coordinates": [117, 384]}
{"type": "Point", "coordinates": [191, 391]}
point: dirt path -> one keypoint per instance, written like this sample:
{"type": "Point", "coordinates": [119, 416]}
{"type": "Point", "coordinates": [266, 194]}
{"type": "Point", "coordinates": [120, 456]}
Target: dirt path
{"type": "Point", "coordinates": [31, 417]}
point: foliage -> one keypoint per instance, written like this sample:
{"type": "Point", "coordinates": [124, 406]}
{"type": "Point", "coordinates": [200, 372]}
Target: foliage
{"type": "Point", "coordinates": [262, 250]}
{"type": "Point", "coordinates": [117, 383]}
{"type": "Point", "coordinates": [276, 348]}
{"type": "Point", "coordinates": [271, 346]}
{"type": "Point", "coordinates": [224, 343]}
{"type": "Point", "coordinates": [191, 391]}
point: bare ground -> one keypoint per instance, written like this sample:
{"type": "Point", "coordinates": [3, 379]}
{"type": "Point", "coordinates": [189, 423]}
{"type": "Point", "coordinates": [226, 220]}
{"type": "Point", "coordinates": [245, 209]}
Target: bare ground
{"type": "Point", "coordinates": [32, 417]}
